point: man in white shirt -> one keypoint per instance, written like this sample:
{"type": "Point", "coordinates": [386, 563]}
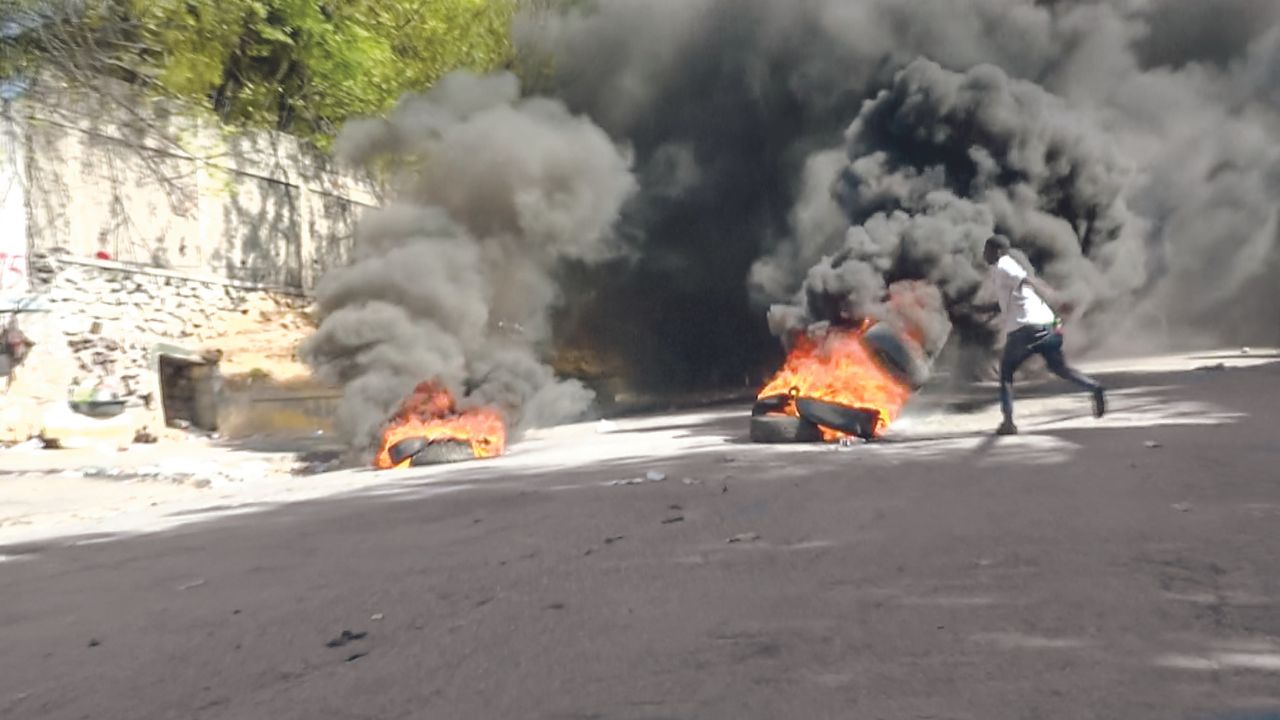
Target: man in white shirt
{"type": "Point", "coordinates": [1031, 327]}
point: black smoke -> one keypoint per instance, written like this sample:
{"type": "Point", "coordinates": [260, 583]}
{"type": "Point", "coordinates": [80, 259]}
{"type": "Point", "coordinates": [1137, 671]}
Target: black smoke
{"type": "Point", "coordinates": [798, 160]}
{"type": "Point", "coordinates": [935, 164]}
{"type": "Point", "coordinates": [825, 149]}
{"type": "Point", "coordinates": [454, 280]}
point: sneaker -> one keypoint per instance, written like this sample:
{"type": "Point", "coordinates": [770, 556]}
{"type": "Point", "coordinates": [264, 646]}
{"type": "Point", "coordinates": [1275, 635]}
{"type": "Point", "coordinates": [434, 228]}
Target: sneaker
{"type": "Point", "coordinates": [1007, 428]}
{"type": "Point", "coordinates": [1099, 403]}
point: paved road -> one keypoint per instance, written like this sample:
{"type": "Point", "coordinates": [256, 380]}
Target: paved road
{"type": "Point", "coordinates": [1072, 572]}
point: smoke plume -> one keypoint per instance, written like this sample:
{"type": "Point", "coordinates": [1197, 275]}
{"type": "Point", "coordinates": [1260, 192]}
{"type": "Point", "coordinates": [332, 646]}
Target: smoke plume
{"type": "Point", "coordinates": [807, 161]}
{"type": "Point", "coordinates": [455, 279]}
{"type": "Point", "coordinates": [827, 149]}
{"type": "Point", "coordinates": [934, 164]}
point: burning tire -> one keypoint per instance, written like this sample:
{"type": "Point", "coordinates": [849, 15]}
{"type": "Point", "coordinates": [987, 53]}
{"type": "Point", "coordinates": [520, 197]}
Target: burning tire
{"type": "Point", "coordinates": [774, 404]}
{"type": "Point", "coordinates": [898, 356]}
{"type": "Point", "coordinates": [430, 429]}
{"type": "Point", "coordinates": [848, 420]}
{"type": "Point", "coordinates": [443, 452]}
{"type": "Point", "coordinates": [774, 429]}
{"type": "Point", "coordinates": [406, 449]}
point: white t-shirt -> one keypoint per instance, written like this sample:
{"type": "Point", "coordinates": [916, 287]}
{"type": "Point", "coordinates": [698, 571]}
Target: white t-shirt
{"type": "Point", "coordinates": [1019, 303]}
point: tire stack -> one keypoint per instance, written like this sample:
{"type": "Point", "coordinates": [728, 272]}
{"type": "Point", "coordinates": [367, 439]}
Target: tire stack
{"type": "Point", "coordinates": [421, 452]}
{"type": "Point", "coordinates": [774, 428]}
{"type": "Point", "coordinates": [769, 425]}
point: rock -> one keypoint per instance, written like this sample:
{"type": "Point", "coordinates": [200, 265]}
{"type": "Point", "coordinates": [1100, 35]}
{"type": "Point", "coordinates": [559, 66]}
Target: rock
{"type": "Point", "coordinates": [345, 638]}
{"type": "Point", "coordinates": [649, 477]}
{"type": "Point", "coordinates": [1152, 444]}
{"type": "Point", "coordinates": [1182, 507]}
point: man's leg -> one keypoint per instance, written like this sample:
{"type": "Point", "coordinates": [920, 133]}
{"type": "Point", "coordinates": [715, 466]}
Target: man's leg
{"type": "Point", "coordinates": [1053, 357]}
{"type": "Point", "coordinates": [1016, 352]}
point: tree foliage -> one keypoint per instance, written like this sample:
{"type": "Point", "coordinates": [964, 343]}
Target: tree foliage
{"type": "Point", "coordinates": [301, 66]}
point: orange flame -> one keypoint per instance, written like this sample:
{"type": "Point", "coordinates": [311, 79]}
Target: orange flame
{"type": "Point", "coordinates": [839, 368]}
{"type": "Point", "coordinates": [431, 413]}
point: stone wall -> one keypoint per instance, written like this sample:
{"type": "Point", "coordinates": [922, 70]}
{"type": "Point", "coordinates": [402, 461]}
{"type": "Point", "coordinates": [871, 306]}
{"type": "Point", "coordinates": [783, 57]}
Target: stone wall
{"type": "Point", "coordinates": [105, 321]}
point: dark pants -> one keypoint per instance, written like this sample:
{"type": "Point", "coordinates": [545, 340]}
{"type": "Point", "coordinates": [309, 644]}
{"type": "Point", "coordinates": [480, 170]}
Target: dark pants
{"type": "Point", "coordinates": [1039, 340]}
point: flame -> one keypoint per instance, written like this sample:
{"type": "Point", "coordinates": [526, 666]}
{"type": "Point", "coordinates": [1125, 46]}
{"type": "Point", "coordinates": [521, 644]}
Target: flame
{"type": "Point", "coordinates": [430, 412]}
{"type": "Point", "coordinates": [839, 368]}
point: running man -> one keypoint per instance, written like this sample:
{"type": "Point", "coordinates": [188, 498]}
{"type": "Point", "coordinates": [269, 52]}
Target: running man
{"type": "Point", "coordinates": [1031, 328]}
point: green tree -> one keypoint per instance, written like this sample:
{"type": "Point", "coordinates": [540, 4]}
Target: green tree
{"type": "Point", "coordinates": [301, 66]}
{"type": "Point", "coordinates": [304, 66]}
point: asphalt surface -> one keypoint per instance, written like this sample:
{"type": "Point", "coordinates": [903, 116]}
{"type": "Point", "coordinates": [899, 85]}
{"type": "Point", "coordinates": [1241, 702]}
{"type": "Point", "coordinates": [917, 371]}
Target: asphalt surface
{"type": "Point", "coordinates": [1073, 572]}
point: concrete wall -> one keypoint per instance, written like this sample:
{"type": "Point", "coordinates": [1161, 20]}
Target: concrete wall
{"type": "Point", "coordinates": [13, 210]}
{"type": "Point", "coordinates": [156, 184]}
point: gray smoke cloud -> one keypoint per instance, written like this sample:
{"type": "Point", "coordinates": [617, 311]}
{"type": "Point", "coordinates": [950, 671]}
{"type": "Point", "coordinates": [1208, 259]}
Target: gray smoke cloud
{"type": "Point", "coordinates": [826, 150]}
{"type": "Point", "coordinates": [455, 279]}
{"type": "Point", "coordinates": [934, 164]}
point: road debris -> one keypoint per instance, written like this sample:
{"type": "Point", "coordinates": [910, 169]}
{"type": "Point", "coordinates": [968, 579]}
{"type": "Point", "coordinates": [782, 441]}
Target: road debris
{"type": "Point", "coordinates": [690, 481]}
{"type": "Point", "coordinates": [377, 617]}
{"type": "Point", "coordinates": [355, 656]}
{"type": "Point", "coordinates": [743, 538]}
{"type": "Point", "coordinates": [1152, 444]}
{"type": "Point", "coordinates": [346, 638]}
{"type": "Point", "coordinates": [614, 539]}
{"type": "Point", "coordinates": [193, 584]}
{"type": "Point", "coordinates": [1182, 507]}
{"type": "Point", "coordinates": [653, 476]}
{"type": "Point", "coordinates": [673, 520]}
{"type": "Point", "coordinates": [320, 467]}
{"type": "Point", "coordinates": [94, 642]}
{"type": "Point", "coordinates": [178, 472]}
